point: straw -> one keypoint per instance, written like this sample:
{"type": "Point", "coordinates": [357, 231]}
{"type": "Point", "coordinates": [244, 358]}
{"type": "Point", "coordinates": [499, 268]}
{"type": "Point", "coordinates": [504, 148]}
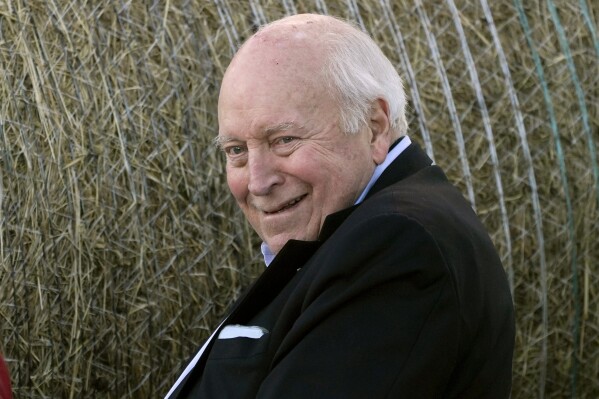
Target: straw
{"type": "Point", "coordinates": [121, 247]}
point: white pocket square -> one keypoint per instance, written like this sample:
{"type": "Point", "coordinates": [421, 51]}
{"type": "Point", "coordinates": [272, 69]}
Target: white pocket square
{"type": "Point", "coordinates": [238, 331]}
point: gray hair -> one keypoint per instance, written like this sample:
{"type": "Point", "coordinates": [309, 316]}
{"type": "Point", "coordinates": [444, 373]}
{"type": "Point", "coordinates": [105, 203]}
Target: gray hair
{"type": "Point", "coordinates": [359, 73]}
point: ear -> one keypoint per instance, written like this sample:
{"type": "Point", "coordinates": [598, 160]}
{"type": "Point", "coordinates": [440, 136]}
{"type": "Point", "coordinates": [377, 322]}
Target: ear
{"type": "Point", "coordinates": [380, 126]}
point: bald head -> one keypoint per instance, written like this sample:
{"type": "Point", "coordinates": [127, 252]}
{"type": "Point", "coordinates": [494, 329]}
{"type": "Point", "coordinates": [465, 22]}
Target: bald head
{"type": "Point", "coordinates": [289, 50]}
{"type": "Point", "coordinates": [300, 28]}
{"type": "Point", "coordinates": [297, 36]}
{"type": "Point", "coordinates": [328, 54]}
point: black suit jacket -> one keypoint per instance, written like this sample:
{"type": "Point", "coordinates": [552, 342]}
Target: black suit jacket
{"type": "Point", "coordinates": [402, 296]}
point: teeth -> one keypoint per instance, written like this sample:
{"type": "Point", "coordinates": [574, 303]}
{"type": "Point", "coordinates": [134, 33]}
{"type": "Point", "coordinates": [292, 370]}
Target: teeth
{"type": "Point", "coordinates": [295, 201]}
{"type": "Point", "coordinates": [289, 205]}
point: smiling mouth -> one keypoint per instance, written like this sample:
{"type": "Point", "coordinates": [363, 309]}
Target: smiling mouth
{"type": "Point", "coordinates": [287, 206]}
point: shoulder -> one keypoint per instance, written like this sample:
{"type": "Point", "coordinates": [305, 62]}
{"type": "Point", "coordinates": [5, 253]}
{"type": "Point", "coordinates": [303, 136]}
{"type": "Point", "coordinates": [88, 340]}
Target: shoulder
{"type": "Point", "coordinates": [420, 225]}
{"type": "Point", "coordinates": [381, 249]}
{"type": "Point", "coordinates": [426, 203]}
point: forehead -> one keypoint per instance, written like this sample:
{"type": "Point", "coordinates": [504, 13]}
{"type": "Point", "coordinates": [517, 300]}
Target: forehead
{"type": "Point", "coordinates": [286, 53]}
{"type": "Point", "coordinates": [271, 59]}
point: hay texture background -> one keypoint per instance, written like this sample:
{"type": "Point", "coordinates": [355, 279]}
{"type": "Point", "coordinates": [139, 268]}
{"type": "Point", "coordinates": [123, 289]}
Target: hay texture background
{"type": "Point", "coordinates": [120, 247]}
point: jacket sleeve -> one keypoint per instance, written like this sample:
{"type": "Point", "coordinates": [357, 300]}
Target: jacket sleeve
{"type": "Point", "coordinates": [380, 319]}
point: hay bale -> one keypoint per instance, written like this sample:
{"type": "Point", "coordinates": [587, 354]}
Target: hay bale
{"type": "Point", "coordinates": [121, 248]}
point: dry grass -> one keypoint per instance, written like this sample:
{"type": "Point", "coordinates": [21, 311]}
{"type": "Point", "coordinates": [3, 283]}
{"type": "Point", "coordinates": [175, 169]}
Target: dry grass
{"type": "Point", "coordinates": [120, 247]}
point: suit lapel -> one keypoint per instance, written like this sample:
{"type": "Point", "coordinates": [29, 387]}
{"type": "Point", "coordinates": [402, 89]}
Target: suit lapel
{"type": "Point", "coordinates": [283, 267]}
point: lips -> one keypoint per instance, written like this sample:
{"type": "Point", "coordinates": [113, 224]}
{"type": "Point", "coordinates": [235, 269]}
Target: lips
{"type": "Point", "coordinates": [286, 206]}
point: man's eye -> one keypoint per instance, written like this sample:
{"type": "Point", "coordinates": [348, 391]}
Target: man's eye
{"type": "Point", "coordinates": [234, 150]}
{"type": "Point", "coordinates": [285, 140]}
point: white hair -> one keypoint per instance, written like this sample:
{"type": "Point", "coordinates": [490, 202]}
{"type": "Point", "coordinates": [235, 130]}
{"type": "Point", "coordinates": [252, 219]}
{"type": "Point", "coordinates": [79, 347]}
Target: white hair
{"type": "Point", "coordinates": [359, 73]}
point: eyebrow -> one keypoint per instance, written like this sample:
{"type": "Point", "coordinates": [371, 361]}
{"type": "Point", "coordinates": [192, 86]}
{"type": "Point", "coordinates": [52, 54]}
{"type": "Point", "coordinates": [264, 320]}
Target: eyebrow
{"type": "Point", "coordinates": [281, 127]}
{"type": "Point", "coordinates": [220, 141]}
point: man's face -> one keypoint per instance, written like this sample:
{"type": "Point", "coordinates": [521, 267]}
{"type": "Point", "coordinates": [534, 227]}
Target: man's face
{"type": "Point", "coordinates": [288, 163]}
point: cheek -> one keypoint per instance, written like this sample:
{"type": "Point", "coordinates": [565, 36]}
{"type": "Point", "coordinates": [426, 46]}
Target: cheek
{"type": "Point", "coordinates": [345, 180]}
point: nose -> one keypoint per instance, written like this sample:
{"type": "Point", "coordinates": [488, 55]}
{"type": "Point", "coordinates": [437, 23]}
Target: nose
{"type": "Point", "coordinates": [264, 174]}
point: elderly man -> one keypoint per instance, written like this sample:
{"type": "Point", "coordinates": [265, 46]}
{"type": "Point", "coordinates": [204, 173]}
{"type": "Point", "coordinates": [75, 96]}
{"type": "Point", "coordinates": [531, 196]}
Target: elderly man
{"type": "Point", "coordinates": [381, 282]}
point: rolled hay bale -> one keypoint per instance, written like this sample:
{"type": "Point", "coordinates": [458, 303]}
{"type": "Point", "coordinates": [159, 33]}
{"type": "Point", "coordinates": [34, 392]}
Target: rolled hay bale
{"type": "Point", "coordinates": [121, 248]}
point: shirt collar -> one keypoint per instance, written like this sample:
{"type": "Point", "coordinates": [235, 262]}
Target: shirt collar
{"type": "Point", "coordinates": [266, 253]}
{"type": "Point", "coordinates": [398, 147]}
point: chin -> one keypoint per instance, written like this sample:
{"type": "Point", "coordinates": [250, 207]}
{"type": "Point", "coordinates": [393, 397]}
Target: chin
{"type": "Point", "coordinates": [275, 245]}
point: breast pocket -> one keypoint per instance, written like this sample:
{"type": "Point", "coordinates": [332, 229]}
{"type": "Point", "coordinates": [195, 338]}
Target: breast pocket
{"type": "Point", "coordinates": [236, 365]}
{"type": "Point", "coordinates": [239, 342]}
